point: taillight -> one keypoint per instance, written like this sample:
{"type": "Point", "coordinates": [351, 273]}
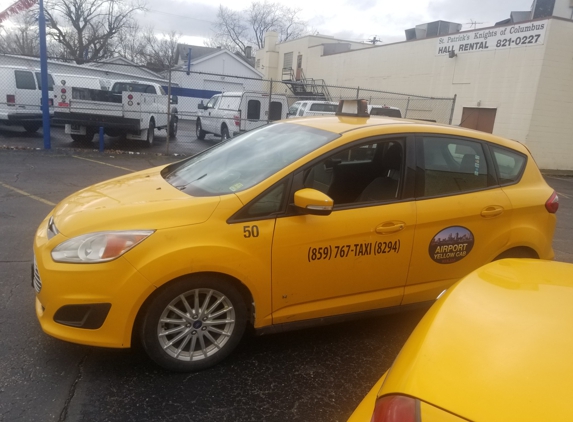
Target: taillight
{"type": "Point", "coordinates": [11, 99]}
{"type": "Point", "coordinates": [130, 97]}
{"type": "Point", "coordinates": [63, 90]}
{"type": "Point", "coordinates": [237, 120]}
{"type": "Point", "coordinates": [552, 204]}
{"type": "Point", "coordinates": [396, 409]}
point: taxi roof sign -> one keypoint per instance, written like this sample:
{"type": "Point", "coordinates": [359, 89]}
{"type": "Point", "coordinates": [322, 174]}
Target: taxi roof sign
{"type": "Point", "coordinates": [353, 108]}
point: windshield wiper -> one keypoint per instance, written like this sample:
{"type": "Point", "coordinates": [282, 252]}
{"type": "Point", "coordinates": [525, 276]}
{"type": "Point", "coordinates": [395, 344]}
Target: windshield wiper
{"type": "Point", "coordinates": [181, 187]}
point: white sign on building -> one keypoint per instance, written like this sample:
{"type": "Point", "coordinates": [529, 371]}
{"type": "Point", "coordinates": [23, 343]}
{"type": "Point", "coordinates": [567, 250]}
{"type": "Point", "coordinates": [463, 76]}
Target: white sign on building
{"type": "Point", "coordinates": [520, 35]}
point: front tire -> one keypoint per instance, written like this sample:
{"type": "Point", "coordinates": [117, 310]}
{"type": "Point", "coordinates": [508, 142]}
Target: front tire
{"type": "Point", "coordinates": [194, 324]}
{"type": "Point", "coordinates": [199, 132]}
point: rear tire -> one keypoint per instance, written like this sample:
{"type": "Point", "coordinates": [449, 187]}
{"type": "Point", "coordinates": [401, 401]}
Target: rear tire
{"type": "Point", "coordinates": [193, 324]}
{"type": "Point", "coordinates": [173, 125]}
{"type": "Point", "coordinates": [199, 132]}
{"type": "Point", "coordinates": [32, 127]}
{"type": "Point", "coordinates": [150, 134]}
{"type": "Point", "coordinates": [87, 138]}
{"type": "Point", "coordinates": [224, 134]}
{"type": "Point", "coordinates": [518, 253]}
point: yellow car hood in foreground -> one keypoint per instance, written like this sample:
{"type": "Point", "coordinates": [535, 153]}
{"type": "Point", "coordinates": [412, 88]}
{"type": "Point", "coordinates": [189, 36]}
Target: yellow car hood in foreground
{"type": "Point", "coordinates": [142, 200]}
{"type": "Point", "coordinates": [496, 347]}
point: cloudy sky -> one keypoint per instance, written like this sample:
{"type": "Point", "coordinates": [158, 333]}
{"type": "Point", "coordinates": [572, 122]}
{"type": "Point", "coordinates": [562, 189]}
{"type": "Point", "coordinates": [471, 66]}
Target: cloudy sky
{"type": "Point", "coordinates": [356, 20]}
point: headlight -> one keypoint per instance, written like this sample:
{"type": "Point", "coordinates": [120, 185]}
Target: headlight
{"type": "Point", "coordinates": [98, 247]}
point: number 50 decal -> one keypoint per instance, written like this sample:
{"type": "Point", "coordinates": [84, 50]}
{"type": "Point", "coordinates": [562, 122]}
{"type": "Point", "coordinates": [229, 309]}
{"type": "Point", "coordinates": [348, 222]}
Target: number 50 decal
{"type": "Point", "coordinates": [250, 231]}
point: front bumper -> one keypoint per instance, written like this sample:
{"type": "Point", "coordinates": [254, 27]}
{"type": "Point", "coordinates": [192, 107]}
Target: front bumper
{"type": "Point", "coordinates": [92, 304]}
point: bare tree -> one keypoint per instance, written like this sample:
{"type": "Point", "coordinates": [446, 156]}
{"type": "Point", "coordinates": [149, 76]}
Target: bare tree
{"type": "Point", "coordinates": [248, 27]}
{"type": "Point", "coordinates": [22, 38]}
{"type": "Point", "coordinates": [130, 43]}
{"type": "Point", "coordinates": [160, 51]}
{"type": "Point", "coordinates": [85, 29]}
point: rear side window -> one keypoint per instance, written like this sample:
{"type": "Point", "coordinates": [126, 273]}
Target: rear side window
{"type": "Point", "coordinates": [230, 103]}
{"type": "Point", "coordinates": [50, 81]}
{"type": "Point", "coordinates": [276, 111]}
{"type": "Point", "coordinates": [329, 108]}
{"type": "Point", "coordinates": [451, 166]}
{"type": "Point", "coordinates": [254, 110]}
{"type": "Point", "coordinates": [24, 79]}
{"type": "Point", "coordinates": [302, 108]}
{"type": "Point", "coordinates": [510, 165]}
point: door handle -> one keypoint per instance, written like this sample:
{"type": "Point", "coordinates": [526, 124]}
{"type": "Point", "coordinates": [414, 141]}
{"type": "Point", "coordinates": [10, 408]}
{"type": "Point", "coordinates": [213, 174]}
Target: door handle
{"type": "Point", "coordinates": [492, 211]}
{"type": "Point", "coordinates": [390, 227]}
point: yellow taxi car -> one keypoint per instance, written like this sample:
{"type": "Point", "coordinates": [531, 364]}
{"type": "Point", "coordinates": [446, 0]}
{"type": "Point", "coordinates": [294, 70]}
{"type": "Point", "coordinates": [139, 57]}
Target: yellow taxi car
{"type": "Point", "coordinates": [300, 222]}
{"type": "Point", "coordinates": [496, 347]}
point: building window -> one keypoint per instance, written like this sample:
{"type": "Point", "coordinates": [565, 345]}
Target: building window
{"type": "Point", "coordinates": [288, 61]}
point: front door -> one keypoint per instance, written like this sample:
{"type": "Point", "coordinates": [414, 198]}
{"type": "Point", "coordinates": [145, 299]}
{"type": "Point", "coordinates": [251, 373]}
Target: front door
{"type": "Point", "coordinates": [356, 258]}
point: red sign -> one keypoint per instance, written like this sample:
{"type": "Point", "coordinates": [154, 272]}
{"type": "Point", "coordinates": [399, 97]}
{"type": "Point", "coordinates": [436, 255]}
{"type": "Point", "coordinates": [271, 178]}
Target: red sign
{"type": "Point", "coordinates": [16, 8]}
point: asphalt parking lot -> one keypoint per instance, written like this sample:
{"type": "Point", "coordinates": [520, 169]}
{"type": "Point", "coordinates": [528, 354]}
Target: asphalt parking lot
{"type": "Point", "coordinates": [316, 374]}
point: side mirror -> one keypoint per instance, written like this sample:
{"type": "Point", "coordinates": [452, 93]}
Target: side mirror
{"type": "Point", "coordinates": [312, 201]}
{"type": "Point", "coordinates": [201, 106]}
{"type": "Point", "coordinates": [174, 99]}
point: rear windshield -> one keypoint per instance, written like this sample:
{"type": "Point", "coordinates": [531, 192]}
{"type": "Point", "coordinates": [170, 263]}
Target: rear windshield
{"type": "Point", "coordinates": [245, 160]}
{"type": "Point", "coordinates": [390, 112]}
{"type": "Point", "coordinates": [330, 108]}
{"type": "Point", "coordinates": [120, 87]}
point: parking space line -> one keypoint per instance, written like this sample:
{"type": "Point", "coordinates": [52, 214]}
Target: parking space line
{"type": "Point", "coordinates": [563, 195]}
{"type": "Point", "coordinates": [105, 164]}
{"type": "Point", "coordinates": [29, 195]}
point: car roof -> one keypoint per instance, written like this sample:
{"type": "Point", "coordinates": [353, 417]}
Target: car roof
{"type": "Point", "coordinates": [497, 346]}
{"type": "Point", "coordinates": [389, 125]}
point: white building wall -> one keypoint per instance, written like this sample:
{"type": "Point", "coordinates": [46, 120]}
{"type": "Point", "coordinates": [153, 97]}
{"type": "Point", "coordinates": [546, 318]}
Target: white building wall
{"type": "Point", "coordinates": [550, 137]}
{"type": "Point", "coordinates": [531, 87]}
{"type": "Point", "coordinates": [209, 80]}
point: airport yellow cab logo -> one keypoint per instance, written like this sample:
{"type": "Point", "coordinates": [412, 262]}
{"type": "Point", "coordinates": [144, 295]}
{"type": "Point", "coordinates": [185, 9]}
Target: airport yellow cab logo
{"type": "Point", "coordinates": [300, 222]}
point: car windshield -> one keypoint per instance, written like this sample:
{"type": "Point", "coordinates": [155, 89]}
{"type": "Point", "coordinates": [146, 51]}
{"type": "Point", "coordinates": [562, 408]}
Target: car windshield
{"type": "Point", "coordinates": [246, 160]}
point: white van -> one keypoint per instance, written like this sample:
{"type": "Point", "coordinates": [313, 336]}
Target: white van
{"type": "Point", "coordinates": [384, 110]}
{"type": "Point", "coordinates": [231, 113]}
{"type": "Point", "coordinates": [20, 97]}
{"type": "Point", "coordinates": [312, 108]}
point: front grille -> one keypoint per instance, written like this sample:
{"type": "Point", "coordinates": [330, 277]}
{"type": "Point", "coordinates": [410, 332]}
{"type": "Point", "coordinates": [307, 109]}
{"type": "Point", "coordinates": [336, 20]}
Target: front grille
{"type": "Point", "coordinates": [36, 281]}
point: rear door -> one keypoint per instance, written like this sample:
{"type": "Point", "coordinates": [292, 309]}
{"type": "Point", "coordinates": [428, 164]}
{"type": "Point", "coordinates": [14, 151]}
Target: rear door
{"type": "Point", "coordinates": [256, 110]}
{"type": "Point", "coordinates": [27, 95]}
{"type": "Point", "coordinates": [463, 216]}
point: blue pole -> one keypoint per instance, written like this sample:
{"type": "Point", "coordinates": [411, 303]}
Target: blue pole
{"type": "Point", "coordinates": [44, 77]}
{"type": "Point", "coordinates": [101, 139]}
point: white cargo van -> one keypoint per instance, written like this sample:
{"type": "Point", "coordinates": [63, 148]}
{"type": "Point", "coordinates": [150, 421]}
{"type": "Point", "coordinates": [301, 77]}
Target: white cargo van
{"type": "Point", "coordinates": [20, 97]}
{"type": "Point", "coordinates": [231, 113]}
{"type": "Point", "coordinates": [312, 108]}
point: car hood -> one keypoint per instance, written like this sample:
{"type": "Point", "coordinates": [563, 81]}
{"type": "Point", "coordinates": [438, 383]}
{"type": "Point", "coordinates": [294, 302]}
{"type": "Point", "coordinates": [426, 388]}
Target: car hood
{"type": "Point", "coordinates": [496, 347]}
{"type": "Point", "coordinates": [142, 200]}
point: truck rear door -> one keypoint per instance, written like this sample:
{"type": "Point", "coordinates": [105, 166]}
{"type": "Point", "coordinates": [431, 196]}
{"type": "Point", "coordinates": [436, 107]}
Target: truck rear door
{"type": "Point", "coordinates": [255, 111]}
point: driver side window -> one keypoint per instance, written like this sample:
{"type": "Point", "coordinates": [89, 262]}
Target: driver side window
{"type": "Point", "coordinates": [361, 174]}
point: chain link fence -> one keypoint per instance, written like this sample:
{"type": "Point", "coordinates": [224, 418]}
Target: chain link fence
{"type": "Point", "coordinates": [116, 99]}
